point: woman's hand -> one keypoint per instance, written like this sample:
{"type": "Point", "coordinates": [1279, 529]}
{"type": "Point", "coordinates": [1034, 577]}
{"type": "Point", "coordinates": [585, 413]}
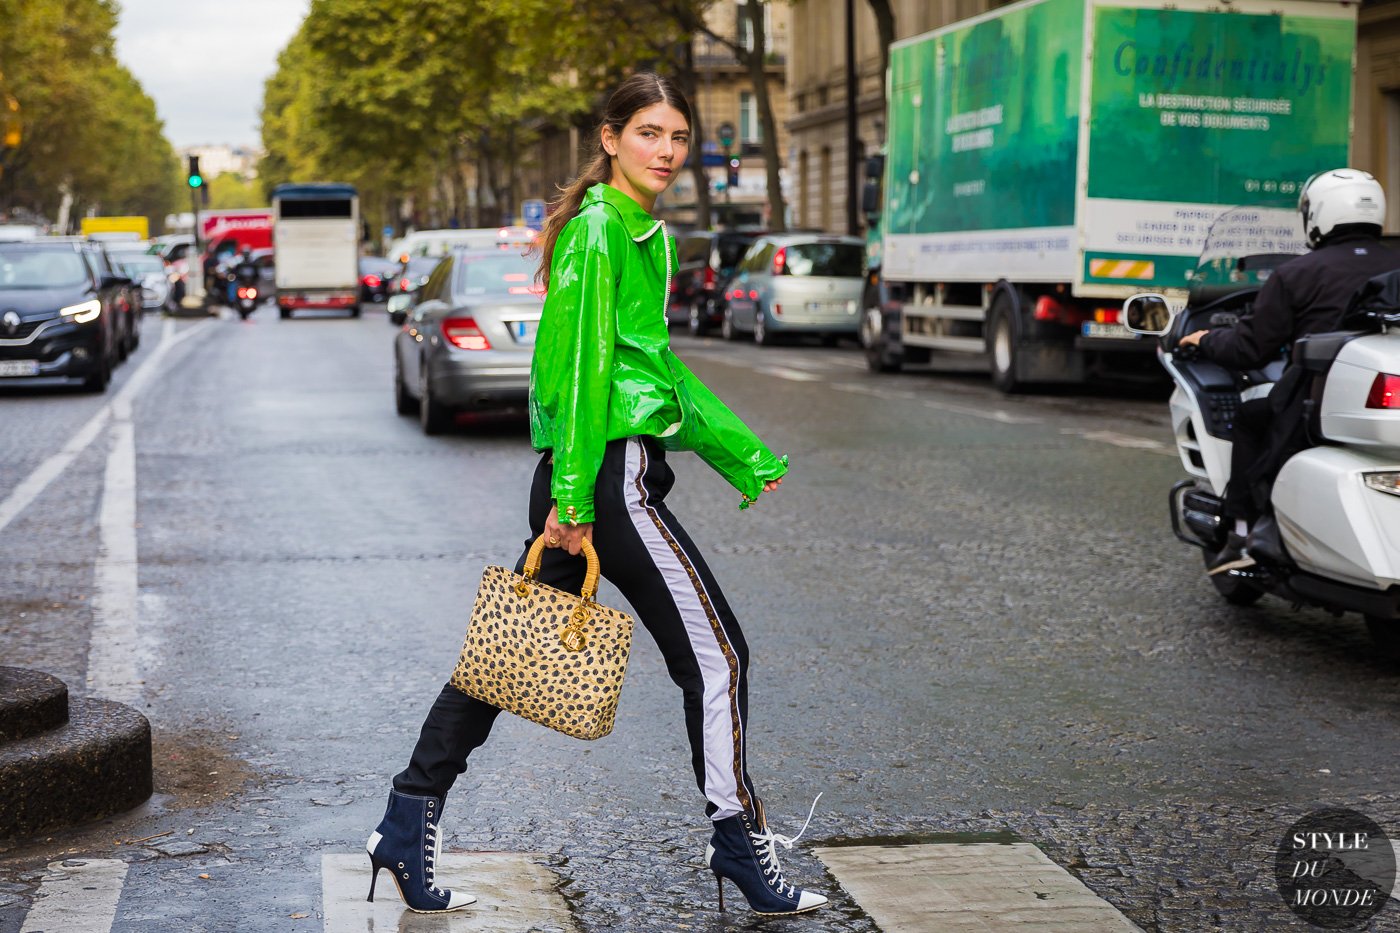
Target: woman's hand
{"type": "Point", "coordinates": [568, 537]}
{"type": "Point", "coordinates": [772, 484]}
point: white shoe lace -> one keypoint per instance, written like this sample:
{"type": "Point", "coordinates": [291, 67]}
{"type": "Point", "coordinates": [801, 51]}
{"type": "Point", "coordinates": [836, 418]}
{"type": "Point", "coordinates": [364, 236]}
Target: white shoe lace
{"type": "Point", "coordinates": [434, 851]}
{"type": "Point", "coordinates": [768, 853]}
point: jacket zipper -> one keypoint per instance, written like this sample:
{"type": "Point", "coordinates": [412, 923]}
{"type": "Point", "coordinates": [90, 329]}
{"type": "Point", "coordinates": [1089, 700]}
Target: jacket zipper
{"type": "Point", "coordinates": [666, 293]}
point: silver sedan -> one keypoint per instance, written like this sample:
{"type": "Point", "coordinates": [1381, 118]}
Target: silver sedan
{"type": "Point", "coordinates": [467, 337]}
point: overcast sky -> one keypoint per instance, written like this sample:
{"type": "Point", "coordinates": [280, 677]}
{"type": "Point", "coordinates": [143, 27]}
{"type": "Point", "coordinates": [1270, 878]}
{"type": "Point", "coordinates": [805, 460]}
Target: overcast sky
{"type": "Point", "coordinates": [205, 62]}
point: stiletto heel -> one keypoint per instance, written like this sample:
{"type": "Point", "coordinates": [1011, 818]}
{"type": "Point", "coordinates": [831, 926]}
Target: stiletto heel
{"type": "Point", "coordinates": [373, 877]}
{"type": "Point", "coordinates": [744, 851]}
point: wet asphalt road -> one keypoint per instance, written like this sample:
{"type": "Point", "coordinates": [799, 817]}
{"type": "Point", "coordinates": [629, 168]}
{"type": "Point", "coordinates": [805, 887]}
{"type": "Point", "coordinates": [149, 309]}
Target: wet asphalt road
{"type": "Point", "coordinates": [966, 614]}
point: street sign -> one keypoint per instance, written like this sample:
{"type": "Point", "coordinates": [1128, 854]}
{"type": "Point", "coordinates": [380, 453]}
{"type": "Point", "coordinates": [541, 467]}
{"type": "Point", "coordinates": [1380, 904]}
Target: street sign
{"type": "Point", "coordinates": [533, 211]}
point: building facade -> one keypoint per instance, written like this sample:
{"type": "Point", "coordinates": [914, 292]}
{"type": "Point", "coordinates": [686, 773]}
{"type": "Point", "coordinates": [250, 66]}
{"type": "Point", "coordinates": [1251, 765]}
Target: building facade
{"type": "Point", "coordinates": [817, 159]}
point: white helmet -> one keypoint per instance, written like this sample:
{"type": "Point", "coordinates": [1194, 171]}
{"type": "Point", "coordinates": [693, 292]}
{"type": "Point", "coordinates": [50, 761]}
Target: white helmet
{"type": "Point", "coordinates": [1341, 196]}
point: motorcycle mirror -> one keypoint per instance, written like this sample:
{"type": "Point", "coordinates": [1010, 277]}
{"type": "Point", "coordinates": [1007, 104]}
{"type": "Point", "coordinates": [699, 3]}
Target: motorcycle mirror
{"type": "Point", "coordinates": [1148, 314]}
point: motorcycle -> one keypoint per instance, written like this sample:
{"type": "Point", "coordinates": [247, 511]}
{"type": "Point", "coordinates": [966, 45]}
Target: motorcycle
{"type": "Point", "coordinates": [1334, 538]}
{"type": "Point", "coordinates": [245, 286]}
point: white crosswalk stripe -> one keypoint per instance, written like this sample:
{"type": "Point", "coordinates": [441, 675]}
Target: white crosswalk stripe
{"type": "Point", "coordinates": [955, 886]}
{"type": "Point", "coordinates": [969, 886]}
{"type": "Point", "coordinates": [514, 893]}
{"type": "Point", "coordinates": [77, 896]}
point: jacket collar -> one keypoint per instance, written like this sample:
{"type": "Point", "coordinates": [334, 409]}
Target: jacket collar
{"type": "Point", "coordinates": [638, 223]}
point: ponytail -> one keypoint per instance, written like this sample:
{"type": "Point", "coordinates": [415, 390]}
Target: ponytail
{"type": "Point", "coordinates": [565, 207]}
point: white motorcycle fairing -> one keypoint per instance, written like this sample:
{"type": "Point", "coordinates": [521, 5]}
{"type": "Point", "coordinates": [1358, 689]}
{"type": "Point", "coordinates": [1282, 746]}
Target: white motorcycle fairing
{"type": "Point", "coordinates": [1332, 523]}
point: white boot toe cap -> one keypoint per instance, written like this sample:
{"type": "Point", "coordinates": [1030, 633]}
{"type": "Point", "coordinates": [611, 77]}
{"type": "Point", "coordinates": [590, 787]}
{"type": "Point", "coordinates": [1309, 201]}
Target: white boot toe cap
{"type": "Point", "coordinates": [810, 900]}
{"type": "Point", "coordinates": [460, 899]}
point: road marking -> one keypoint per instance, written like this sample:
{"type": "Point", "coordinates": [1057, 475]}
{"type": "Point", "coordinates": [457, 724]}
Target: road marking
{"type": "Point", "coordinates": [792, 375]}
{"type": "Point", "coordinates": [45, 473]}
{"type": "Point", "coordinates": [969, 886]}
{"type": "Point", "coordinates": [514, 894]}
{"type": "Point", "coordinates": [987, 414]}
{"type": "Point", "coordinates": [1130, 441]}
{"type": "Point", "coordinates": [113, 672]}
{"type": "Point", "coordinates": [79, 896]}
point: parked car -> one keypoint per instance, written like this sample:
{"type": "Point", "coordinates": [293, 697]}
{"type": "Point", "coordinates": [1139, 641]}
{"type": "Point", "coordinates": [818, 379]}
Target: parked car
{"type": "Point", "coordinates": [61, 313]}
{"type": "Point", "coordinates": [127, 301]}
{"type": "Point", "coordinates": [796, 283]}
{"type": "Point", "coordinates": [411, 276]}
{"type": "Point", "coordinates": [174, 250]}
{"type": "Point", "coordinates": [375, 274]}
{"type": "Point", "coordinates": [432, 244]}
{"type": "Point", "coordinates": [467, 342]}
{"type": "Point", "coordinates": [147, 271]}
{"type": "Point", "coordinates": [705, 259]}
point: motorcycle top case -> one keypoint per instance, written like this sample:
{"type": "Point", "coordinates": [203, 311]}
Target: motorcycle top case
{"type": "Point", "coordinates": [1345, 419]}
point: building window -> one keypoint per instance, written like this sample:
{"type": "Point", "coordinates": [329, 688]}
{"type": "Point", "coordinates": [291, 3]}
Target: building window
{"type": "Point", "coordinates": [750, 130]}
{"type": "Point", "coordinates": [824, 192]}
{"type": "Point", "coordinates": [804, 181]}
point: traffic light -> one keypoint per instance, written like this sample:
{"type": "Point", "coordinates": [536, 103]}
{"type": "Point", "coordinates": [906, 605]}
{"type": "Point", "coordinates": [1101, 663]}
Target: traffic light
{"type": "Point", "coordinates": [734, 172]}
{"type": "Point", "coordinates": [196, 180]}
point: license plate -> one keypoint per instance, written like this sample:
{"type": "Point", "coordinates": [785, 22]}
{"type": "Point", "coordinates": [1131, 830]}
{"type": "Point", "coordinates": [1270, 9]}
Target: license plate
{"type": "Point", "coordinates": [19, 367]}
{"type": "Point", "coordinates": [827, 306]}
{"type": "Point", "coordinates": [523, 331]}
{"type": "Point", "coordinates": [1114, 331]}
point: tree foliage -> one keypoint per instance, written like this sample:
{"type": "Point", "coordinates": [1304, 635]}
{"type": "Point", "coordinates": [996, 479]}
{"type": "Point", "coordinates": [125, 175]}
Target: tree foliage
{"type": "Point", "coordinates": [89, 129]}
{"type": "Point", "coordinates": [398, 99]}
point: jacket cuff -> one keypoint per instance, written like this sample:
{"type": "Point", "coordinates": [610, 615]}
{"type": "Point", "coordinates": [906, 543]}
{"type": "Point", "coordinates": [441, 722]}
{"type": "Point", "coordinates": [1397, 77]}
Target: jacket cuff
{"type": "Point", "coordinates": [770, 469]}
{"type": "Point", "coordinates": [574, 511]}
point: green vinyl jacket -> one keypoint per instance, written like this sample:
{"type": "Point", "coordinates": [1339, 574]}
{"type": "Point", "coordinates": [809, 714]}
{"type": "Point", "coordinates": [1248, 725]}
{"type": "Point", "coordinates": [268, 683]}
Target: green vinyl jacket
{"type": "Point", "coordinates": [603, 368]}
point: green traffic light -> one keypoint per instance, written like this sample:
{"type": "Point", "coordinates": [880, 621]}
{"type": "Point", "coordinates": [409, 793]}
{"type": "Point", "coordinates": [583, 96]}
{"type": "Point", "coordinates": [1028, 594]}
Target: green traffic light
{"type": "Point", "coordinates": [196, 181]}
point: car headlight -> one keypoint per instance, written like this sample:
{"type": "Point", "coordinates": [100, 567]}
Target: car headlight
{"type": "Point", "coordinates": [83, 313]}
{"type": "Point", "coordinates": [1384, 482]}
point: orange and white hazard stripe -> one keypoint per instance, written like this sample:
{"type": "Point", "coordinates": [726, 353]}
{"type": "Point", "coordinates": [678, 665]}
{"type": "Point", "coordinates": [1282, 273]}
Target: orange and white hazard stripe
{"type": "Point", "coordinates": [1122, 268]}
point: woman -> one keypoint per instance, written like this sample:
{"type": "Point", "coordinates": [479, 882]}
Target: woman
{"type": "Point", "coordinates": [607, 399]}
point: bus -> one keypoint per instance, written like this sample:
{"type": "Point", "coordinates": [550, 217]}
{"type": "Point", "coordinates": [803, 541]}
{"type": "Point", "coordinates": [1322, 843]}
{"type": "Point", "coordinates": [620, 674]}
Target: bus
{"type": "Point", "coordinates": [316, 235]}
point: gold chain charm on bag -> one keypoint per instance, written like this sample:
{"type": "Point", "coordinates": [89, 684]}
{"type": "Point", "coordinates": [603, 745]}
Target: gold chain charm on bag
{"type": "Point", "coordinates": [572, 638]}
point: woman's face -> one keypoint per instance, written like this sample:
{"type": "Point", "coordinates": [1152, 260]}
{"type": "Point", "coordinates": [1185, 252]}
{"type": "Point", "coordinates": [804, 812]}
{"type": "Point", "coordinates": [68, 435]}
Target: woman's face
{"type": "Point", "coordinates": [649, 152]}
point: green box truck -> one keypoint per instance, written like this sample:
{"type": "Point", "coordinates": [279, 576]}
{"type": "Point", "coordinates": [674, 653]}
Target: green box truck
{"type": "Point", "coordinates": [1048, 159]}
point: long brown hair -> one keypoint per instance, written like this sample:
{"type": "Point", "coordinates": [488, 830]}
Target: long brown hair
{"type": "Point", "coordinates": [638, 92]}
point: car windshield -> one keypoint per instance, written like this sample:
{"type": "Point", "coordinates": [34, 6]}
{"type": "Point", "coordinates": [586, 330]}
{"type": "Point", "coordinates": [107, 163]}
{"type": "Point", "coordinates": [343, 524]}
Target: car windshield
{"type": "Point", "coordinates": [503, 273]}
{"type": "Point", "coordinates": [732, 249]}
{"type": "Point", "coordinates": [41, 268]}
{"type": "Point", "coordinates": [834, 259]}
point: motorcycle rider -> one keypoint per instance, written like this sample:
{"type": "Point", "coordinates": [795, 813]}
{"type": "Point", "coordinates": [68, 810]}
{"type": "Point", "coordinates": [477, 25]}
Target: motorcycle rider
{"type": "Point", "coordinates": [244, 272]}
{"type": "Point", "coordinates": [1343, 211]}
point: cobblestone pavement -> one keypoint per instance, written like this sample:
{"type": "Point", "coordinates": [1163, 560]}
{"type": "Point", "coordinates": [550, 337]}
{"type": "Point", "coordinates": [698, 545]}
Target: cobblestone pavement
{"type": "Point", "coordinates": [966, 612]}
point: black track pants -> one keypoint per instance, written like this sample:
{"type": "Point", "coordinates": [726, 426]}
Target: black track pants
{"type": "Point", "coordinates": [646, 554]}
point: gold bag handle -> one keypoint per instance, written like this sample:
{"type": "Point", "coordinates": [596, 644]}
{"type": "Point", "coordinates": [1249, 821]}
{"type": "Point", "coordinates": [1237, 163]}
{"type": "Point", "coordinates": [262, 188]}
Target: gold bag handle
{"type": "Point", "coordinates": [590, 577]}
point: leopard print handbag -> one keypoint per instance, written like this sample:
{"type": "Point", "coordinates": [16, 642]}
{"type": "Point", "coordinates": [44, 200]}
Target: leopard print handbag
{"type": "Point", "coordinates": [543, 654]}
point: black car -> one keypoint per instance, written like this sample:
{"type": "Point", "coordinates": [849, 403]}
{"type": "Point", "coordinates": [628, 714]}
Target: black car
{"type": "Point", "coordinates": [705, 260]}
{"type": "Point", "coordinates": [375, 274]}
{"type": "Point", "coordinates": [64, 313]}
{"type": "Point", "coordinates": [409, 278]}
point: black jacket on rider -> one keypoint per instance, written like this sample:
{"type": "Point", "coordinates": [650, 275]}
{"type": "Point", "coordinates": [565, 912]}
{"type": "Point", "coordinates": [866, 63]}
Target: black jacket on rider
{"type": "Point", "coordinates": [1303, 296]}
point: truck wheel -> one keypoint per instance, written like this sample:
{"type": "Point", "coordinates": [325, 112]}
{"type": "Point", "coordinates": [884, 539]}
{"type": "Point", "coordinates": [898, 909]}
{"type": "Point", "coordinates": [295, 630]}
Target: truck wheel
{"type": "Point", "coordinates": [432, 416]}
{"type": "Point", "coordinates": [1001, 345]}
{"type": "Point", "coordinates": [880, 355]}
{"type": "Point", "coordinates": [284, 312]}
{"type": "Point", "coordinates": [1385, 635]}
{"type": "Point", "coordinates": [355, 311]}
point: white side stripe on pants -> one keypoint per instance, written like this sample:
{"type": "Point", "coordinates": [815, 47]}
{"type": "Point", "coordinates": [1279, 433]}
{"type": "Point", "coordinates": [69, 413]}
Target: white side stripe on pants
{"type": "Point", "coordinates": [723, 727]}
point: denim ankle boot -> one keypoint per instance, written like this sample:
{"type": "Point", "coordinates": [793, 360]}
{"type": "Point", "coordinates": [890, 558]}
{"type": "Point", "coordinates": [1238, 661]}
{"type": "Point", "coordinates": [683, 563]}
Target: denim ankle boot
{"type": "Point", "coordinates": [408, 843]}
{"type": "Point", "coordinates": [743, 850]}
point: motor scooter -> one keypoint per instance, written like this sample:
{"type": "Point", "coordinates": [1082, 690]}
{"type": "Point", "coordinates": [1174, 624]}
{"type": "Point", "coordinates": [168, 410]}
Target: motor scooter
{"type": "Point", "coordinates": [1334, 538]}
{"type": "Point", "coordinates": [245, 287]}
